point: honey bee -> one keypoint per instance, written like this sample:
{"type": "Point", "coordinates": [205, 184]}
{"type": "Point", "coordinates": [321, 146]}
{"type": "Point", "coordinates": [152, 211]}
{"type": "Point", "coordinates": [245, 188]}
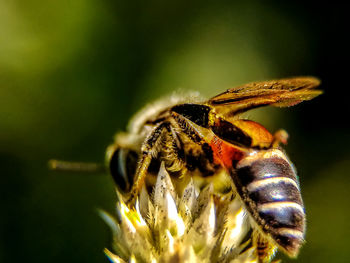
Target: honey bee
{"type": "Point", "coordinates": [195, 137]}
{"type": "Point", "coordinates": [207, 137]}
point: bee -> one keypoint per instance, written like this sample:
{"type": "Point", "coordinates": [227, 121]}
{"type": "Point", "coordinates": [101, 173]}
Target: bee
{"type": "Point", "coordinates": [203, 138]}
{"type": "Point", "coordinates": [207, 137]}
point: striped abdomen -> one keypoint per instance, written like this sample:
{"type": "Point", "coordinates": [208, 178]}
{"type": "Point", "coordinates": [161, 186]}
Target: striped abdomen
{"type": "Point", "coordinates": [269, 188]}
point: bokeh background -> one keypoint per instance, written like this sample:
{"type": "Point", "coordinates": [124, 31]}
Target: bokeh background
{"type": "Point", "coordinates": [73, 72]}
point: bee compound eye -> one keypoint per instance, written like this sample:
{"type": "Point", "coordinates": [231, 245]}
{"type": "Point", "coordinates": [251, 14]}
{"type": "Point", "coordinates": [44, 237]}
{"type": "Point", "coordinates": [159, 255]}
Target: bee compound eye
{"type": "Point", "coordinates": [122, 168]}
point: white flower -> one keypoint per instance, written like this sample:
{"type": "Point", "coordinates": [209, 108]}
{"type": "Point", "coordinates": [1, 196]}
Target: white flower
{"type": "Point", "coordinates": [198, 226]}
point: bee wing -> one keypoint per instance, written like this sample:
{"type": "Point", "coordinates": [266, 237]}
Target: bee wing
{"type": "Point", "coordinates": [279, 93]}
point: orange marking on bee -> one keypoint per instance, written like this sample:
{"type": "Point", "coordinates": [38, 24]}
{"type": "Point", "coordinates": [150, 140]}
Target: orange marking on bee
{"type": "Point", "coordinates": [260, 135]}
{"type": "Point", "coordinates": [225, 153]}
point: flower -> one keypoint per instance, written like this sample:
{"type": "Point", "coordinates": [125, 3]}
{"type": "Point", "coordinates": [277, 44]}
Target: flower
{"type": "Point", "coordinates": [197, 226]}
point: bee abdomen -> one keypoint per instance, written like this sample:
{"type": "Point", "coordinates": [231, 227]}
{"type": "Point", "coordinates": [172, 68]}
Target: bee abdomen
{"type": "Point", "coordinates": [274, 189]}
{"type": "Point", "coordinates": [270, 190]}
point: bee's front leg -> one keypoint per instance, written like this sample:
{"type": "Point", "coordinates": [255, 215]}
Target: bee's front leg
{"type": "Point", "coordinates": [149, 150]}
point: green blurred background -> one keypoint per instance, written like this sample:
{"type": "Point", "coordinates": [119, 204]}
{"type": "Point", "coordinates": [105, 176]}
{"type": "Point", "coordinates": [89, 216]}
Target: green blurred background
{"type": "Point", "coordinates": [73, 72]}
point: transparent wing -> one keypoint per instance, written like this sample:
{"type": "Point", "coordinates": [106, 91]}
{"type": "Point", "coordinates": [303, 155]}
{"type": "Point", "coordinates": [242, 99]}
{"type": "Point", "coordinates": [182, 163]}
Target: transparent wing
{"type": "Point", "coordinates": [279, 93]}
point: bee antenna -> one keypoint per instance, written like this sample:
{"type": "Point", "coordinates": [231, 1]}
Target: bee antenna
{"type": "Point", "coordinates": [64, 166]}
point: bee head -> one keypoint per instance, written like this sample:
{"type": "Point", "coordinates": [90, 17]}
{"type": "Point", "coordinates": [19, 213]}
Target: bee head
{"type": "Point", "coordinates": [122, 166]}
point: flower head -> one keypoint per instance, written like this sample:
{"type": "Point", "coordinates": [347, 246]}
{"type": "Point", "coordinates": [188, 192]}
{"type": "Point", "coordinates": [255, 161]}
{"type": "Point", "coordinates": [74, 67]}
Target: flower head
{"type": "Point", "coordinates": [197, 226]}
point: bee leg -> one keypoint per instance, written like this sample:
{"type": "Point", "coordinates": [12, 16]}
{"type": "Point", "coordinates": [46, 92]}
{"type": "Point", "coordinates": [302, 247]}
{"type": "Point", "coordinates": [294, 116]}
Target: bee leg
{"type": "Point", "coordinates": [174, 153]}
{"type": "Point", "coordinates": [205, 157]}
{"type": "Point", "coordinates": [186, 127]}
{"type": "Point", "coordinates": [265, 250]}
{"type": "Point", "coordinates": [280, 136]}
{"type": "Point", "coordinates": [149, 150]}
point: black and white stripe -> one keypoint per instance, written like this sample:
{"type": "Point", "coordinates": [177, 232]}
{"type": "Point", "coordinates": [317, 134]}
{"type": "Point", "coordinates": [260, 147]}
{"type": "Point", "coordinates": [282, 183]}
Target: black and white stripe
{"type": "Point", "coordinates": [269, 187]}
